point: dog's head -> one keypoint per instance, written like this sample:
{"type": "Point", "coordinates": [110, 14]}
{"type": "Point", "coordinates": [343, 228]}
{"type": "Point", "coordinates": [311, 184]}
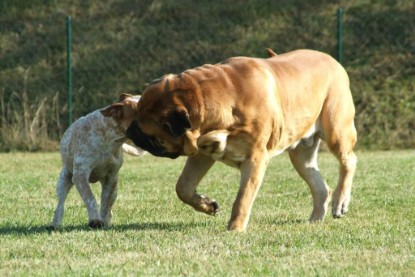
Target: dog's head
{"type": "Point", "coordinates": [124, 111]}
{"type": "Point", "coordinates": [163, 124]}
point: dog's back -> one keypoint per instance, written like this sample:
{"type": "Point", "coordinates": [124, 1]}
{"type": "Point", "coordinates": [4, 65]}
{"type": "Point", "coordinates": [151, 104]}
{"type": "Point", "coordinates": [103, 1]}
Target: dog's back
{"type": "Point", "coordinates": [92, 140]}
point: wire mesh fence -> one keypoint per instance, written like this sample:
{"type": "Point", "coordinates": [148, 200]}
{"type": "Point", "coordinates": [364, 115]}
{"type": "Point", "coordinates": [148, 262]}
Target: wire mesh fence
{"type": "Point", "coordinates": [122, 45]}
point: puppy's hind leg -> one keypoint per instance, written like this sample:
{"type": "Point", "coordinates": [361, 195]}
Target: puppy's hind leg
{"type": "Point", "coordinates": [81, 180]}
{"type": "Point", "coordinates": [62, 189]}
{"type": "Point", "coordinates": [304, 159]}
{"type": "Point", "coordinates": [108, 196]}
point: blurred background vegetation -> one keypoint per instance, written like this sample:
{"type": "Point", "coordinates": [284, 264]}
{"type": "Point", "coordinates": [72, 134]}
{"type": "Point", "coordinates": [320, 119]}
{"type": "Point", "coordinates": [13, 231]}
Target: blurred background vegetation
{"type": "Point", "coordinates": [121, 45]}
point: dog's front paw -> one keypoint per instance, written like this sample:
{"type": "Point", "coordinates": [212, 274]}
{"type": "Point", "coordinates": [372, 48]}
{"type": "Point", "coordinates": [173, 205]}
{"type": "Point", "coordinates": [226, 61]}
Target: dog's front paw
{"type": "Point", "coordinates": [96, 224]}
{"type": "Point", "coordinates": [210, 207]}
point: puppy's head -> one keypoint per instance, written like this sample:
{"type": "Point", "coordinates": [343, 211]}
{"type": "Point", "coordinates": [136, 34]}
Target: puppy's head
{"type": "Point", "coordinates": [163, 124]}
{"type": "Point", "coordinates": [123, 112]}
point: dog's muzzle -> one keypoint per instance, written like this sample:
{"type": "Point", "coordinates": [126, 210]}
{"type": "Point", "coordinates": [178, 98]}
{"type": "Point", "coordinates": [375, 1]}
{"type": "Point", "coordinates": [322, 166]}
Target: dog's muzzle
{"type": "Point", "coordinates": [148, 143]}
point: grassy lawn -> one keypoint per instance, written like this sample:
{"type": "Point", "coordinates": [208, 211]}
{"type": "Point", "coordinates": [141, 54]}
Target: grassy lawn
{"type": "Point", "coordinates": [154, 234]}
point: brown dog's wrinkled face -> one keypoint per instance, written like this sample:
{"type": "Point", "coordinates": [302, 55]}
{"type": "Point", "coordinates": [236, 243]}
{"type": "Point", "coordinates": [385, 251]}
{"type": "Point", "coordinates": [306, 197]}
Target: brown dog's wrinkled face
{"type": "Point", "coordinates": [161, 124]}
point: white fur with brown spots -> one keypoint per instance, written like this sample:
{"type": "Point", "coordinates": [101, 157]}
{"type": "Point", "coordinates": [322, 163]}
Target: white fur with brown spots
{"type": "Point", "coordinates": [92, 150]}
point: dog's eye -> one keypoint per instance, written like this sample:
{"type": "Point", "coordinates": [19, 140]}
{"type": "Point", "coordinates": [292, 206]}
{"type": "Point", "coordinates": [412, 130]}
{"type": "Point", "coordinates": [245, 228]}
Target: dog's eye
{"type": "Point", "coordinates": [161, 142]}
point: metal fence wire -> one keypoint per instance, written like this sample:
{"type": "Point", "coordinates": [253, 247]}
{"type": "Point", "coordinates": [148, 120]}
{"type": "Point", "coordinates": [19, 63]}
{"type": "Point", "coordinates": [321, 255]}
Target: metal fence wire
{"type": "Point", "coordinates": [122, 45]}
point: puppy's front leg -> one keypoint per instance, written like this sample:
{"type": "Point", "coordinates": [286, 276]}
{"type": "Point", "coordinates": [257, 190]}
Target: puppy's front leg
{"type": "Point", "coordinates": [194, 170]}
{"type": "Point", "coordinates": [252, 173]}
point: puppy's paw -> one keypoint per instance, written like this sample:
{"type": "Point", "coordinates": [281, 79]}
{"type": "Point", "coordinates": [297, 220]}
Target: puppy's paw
{"type": "Point", "coordinates": [210, 207]}
{"type": "Point", "coordinates": [96, 224]}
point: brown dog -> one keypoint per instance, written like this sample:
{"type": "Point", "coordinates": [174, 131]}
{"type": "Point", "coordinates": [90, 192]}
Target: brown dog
{"type": "Point", "coordinates": [243, 112]}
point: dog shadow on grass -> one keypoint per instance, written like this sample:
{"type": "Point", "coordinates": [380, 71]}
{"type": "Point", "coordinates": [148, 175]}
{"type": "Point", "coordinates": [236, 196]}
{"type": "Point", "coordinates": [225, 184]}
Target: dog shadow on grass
{"type": "Point", "coordinates": [31, 229]}
{"type": "Point", "coordinates": [282, 222]}
{"type": "Point", "coordinates": [27, 230]}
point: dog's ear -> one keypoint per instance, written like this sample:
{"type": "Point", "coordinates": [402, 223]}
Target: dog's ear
{"type": "Point", "coordinates": [115, 111]}
{"type": "Point", "coordinates": [124, 96]}
{"type": "Point", "coordinates": [177, 123]}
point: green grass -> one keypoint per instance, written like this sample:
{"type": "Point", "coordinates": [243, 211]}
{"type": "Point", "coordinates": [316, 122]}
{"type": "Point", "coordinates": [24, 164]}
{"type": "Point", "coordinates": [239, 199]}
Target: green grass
{"type": "Point", "coordinates": [154, 234]}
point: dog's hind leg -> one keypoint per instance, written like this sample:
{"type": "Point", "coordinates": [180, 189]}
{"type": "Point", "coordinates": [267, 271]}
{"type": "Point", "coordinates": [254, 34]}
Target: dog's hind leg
{"type": "Point", "coordinates": [304, 159]}
{"type": "Point", "coordinates": [62, 189]}
{"type": "Point", "coordinates": [194, 170]}
{"type": "Point", "coordinates": [342, 148]}
{"type": "Point", "coordinates": [81, 180]}
{"type": "Point", "coordinates": [342, 194]}
{"type": "Point", "coordinates": [340, 135]}
{"type": "Point", "coordinates": [108, 196]}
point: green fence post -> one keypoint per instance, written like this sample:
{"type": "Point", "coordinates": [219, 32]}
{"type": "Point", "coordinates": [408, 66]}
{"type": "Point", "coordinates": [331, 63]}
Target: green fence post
{"type": "Point", "coordinates": [340, 35]}
{"type": "Point", "coordinates": [69, 65]}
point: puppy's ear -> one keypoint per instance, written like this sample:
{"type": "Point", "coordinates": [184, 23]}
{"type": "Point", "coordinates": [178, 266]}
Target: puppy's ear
{"type": "Point", "coordinates": [177, 123]}
{"type": "Point", "coordinates": [115, 111]}
{"type": "Point", "coordinates": [124, 96]}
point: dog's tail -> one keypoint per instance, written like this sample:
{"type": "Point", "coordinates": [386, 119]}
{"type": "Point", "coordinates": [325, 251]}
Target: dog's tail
{"type": "Point", "coordinates": [133, 151]}
{"type": "Point", "coordinates": [271, 53]}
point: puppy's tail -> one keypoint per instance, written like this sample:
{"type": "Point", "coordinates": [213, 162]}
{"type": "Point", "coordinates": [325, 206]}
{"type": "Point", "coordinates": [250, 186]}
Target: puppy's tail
{"type": "Point", "coordinates": [133, 151]}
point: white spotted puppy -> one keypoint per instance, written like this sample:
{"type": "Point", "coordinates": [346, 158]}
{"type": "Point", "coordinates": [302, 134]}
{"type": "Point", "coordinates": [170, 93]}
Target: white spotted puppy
{"type": "Point", "coordinates": [92, 150]}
